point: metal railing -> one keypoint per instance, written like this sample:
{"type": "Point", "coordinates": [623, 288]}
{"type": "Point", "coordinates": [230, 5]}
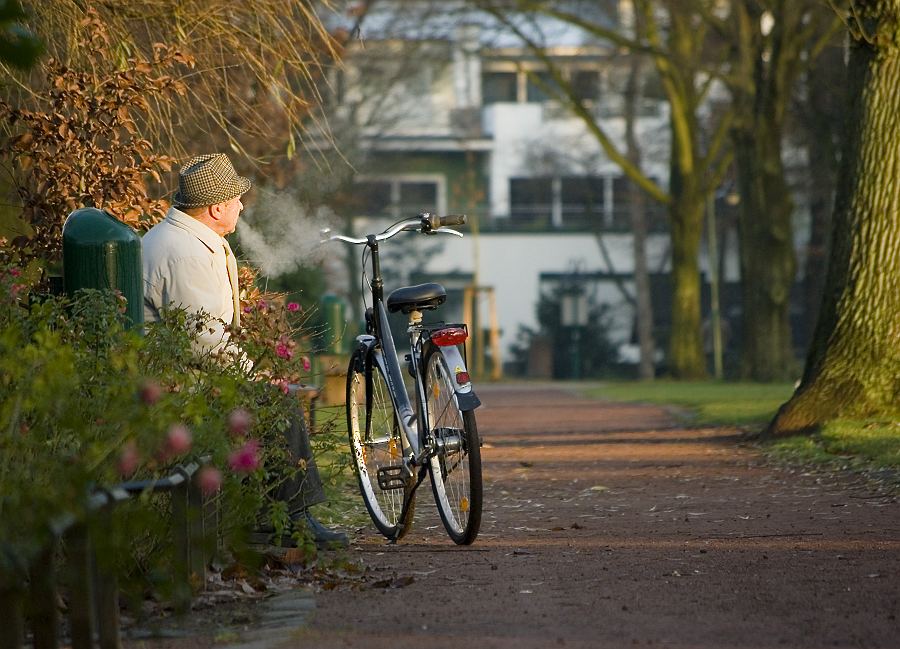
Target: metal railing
{"type": "Point", "coordinates": [31, 592]}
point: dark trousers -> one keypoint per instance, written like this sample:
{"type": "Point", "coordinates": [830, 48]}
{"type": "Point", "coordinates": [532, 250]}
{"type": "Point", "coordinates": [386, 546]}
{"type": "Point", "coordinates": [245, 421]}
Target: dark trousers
{"type": "Point", "coordinates": [303, 486]}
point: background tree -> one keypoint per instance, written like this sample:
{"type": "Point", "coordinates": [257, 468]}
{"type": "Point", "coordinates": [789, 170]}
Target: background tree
{"type": "Point", "coordinates": [675, 38]}
{"type": "Point", "coordinates": [770, 44]}
{"type": "Point", "coordinates": [854, 360]}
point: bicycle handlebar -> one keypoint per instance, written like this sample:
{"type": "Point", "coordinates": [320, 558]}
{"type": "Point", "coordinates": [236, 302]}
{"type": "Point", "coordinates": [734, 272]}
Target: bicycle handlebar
{"type": "Point", "coordinates": [426, 223]}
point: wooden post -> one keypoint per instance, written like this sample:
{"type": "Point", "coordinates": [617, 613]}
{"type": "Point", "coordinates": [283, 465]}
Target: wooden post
{"type": "Point", "coordinates": [81, 601]}
{"type": "Point", "coordinates": [12, 617]}
{"type": "Point", "coordinates": [42, 598]}
{"type": "Point", "coordinates": [181, 532]}
{"type": "Point", "coordinates": [497, 364]}
{"type": "Point", "coordinates": [468, 298]}
{"type": "Point", "coordinates": [107, 594]}
{"type": "Point", "coordinates": [198, 546]}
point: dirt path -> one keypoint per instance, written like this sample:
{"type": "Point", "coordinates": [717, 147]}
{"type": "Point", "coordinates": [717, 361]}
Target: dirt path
{"type": "Point", "coordinates": [608, 526]}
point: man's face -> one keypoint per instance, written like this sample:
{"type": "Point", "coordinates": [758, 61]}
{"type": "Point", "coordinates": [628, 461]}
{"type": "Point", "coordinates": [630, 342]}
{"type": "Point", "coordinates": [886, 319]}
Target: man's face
{"type": "Point", "coordinates": [228, 215]}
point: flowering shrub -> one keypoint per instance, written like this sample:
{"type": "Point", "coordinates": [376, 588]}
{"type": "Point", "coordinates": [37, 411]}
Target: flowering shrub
{"type": "Point", "coordinates": [87, 402]}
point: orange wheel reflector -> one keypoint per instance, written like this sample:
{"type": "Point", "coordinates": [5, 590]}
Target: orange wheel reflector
{"type": "Point", "coordinates": [449, 336]}
{"type": "Point", "coordinates": [464, 504]}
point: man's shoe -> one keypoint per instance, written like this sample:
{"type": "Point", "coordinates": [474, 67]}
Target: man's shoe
{"type": "Point", "coordinates": [324, 538]}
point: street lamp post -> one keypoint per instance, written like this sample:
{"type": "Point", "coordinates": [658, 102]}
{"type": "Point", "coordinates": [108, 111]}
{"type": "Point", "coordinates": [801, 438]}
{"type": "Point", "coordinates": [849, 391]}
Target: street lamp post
{"type": "Point", "coordinates": [574, 317]}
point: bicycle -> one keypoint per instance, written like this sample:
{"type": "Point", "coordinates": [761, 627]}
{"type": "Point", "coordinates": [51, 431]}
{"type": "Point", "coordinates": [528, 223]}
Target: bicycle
{"type": "Point", "coordinates": [396, 442]}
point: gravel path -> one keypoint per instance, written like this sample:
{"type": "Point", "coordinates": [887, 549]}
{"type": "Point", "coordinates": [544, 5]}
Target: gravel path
{"type": "Point", "coordinates": [607, 525]}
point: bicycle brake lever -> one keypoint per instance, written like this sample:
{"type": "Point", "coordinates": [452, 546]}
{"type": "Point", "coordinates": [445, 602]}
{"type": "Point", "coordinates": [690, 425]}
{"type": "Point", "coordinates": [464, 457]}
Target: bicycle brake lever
{"type": "Point", "coordinates": [447, 231]}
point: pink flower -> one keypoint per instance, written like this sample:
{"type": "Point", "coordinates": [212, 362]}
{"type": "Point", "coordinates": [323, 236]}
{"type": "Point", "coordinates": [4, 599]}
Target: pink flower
{"type": "Point", "coordinates": [284, 351]}
{"type": "Point", "coordinates": [239, 421]}
{"type": "Point", "coordinates": [283, 385]}
{"type": "Point", "coordinates": [150, 392]}
{"type": "Point", "coordinates": [306, 364]}
{"type": "Point", "coordinates": [293, 306]}
{"type": "Point", "coordinates": [15, 272]}
{"type": "Point", "coordinates": [246, 458]}
{"type": "Point", "coordinates": [129, 459]}
{"type": "Point", "coordinates": [248, 309]}
{"type": "Point", "coordinates": [178, 441]}
{"type": "Point", "coordinates": [262, 305]}
{"type": "Point", "coordinates": [209, 479]}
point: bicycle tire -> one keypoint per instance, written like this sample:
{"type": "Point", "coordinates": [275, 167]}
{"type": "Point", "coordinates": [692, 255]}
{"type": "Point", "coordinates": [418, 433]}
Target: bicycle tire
{"type": "Point", "coordinates": [379, 446]}
{"type": "Point", "coordinates": [456, 480]}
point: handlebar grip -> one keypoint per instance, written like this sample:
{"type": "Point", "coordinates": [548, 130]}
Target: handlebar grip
{"type": "Point", "coordinates": [453, 219]}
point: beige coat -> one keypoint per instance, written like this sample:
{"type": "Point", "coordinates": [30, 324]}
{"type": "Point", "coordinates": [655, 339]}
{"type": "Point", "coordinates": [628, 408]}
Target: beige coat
{"type": "Point", "coordinates": [186, 265]}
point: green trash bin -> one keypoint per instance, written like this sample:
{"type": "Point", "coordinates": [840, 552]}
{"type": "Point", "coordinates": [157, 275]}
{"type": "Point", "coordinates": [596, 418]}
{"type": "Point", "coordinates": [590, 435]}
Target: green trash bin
{"type": "Point", "coordinates": [101, 252]}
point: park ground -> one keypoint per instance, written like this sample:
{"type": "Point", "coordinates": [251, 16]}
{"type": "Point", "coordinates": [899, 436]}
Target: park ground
{"type": "Point", "coordinates": [614, 525]}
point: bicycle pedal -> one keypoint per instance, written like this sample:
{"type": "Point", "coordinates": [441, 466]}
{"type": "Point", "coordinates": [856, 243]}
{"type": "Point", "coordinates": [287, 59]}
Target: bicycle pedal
{"type": "Point", "coordinates": [392, 477]}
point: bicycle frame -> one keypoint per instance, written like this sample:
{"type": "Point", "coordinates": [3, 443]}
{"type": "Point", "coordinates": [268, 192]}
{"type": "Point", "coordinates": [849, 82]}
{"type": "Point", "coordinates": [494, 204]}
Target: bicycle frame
{"type": "Point", "coordinates": [413, 420]}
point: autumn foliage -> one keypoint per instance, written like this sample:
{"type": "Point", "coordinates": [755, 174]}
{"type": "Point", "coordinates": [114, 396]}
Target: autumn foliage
{"type": "Point", "coordinates": [79, 143]}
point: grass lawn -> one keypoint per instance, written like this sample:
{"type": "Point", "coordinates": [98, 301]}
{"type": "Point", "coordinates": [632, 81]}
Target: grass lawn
{"type": "Point", "coordinates": [707, 403]}
{"type": "Point", "coordinates": [331, 449]}
{"type": "Point", "coordinates": [863, 444]}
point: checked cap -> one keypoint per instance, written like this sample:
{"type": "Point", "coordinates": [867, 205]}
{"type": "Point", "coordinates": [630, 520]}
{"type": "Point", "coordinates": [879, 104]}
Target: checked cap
{"type": "Point", "coordinates": [207, 180]}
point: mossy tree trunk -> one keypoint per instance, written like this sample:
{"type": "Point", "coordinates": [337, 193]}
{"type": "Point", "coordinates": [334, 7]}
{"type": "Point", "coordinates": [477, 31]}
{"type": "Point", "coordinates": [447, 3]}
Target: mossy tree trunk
{"type": "Point", "coordinates": [767, 260]}
{"type": "Point", "coordinates": [694, 173]}
{"type": "Point", "coordinates": [853, 367]}
{"type": "Point", "coordinates": [686, 357]}
{"type": "Point", "coordinates": [772, 44]}
{"type": "Point", "coordinates": [674, 36]}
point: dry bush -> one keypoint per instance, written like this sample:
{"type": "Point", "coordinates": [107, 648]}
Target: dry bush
{"type": "Point", "coordinates": [258, 65]}
{"type": "Point", "coordinates": [80, 144]}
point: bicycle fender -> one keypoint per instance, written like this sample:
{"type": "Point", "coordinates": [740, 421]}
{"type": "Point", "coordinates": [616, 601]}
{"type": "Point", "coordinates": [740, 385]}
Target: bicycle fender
{"type": "Point", "coordinates": [364, 345]}
{"type": "Point", "coordinates": [465, 394]}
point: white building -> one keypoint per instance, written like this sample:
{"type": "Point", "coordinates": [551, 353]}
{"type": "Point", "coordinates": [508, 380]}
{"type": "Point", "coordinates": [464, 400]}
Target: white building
{"type": "Point", "coordinates": [455, 115]}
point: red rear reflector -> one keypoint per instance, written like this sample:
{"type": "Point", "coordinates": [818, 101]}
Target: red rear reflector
{"type": "Point", "coordinates": [449, 336]}
{"type": "Point", "coordinates": [462, 378]}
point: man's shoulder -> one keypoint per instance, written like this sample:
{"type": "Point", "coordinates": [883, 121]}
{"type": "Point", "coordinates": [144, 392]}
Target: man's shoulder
{"type": "Point", "coordinates": [167, 246]}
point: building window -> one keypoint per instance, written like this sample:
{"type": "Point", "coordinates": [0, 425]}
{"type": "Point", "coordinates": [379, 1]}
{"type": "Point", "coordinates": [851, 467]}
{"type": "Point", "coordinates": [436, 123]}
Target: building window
{"type": "Point", "coordinates": [657, 217]}
{"type": "Point", "coordinates": [397, 197]}
{"type": "Point", "coordinates": [566, 203]}
{"type": "Point", "coordinates": [373, 198]}
{"type": "Point", "coordinates": [586, 84]}
{"type": "Point", "coordinates": [581, 199]}
{"type": "Point", "coordinates": [499, 87]}
{"type": "Point", "coordinates": [540, 87]}
{"type": "Point", "coordinates": [531, 199]}
{"type": "Point", "coordinates": [415, 197]}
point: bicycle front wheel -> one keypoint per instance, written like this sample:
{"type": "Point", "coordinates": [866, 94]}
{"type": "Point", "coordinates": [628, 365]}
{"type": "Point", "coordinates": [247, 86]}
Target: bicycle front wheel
{"type": "Point", "coordinates": [456, 468]}
{"type": "Point", "coordinates": [377, 448]}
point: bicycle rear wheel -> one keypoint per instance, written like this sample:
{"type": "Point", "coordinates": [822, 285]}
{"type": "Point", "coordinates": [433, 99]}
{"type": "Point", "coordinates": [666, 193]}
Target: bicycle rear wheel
{"type": "Point", "coordinates": [456, 468]}
{"type": "Point", "coordinates": [376, 444]}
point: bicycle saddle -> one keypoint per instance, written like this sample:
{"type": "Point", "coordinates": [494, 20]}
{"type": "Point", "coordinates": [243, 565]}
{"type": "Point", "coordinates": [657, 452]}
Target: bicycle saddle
{"type": "Point", "coordinates": [416, 298]}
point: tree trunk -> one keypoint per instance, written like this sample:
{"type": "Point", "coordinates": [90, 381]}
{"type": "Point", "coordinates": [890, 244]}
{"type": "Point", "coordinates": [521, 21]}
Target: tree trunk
{"type": "Point", "coordinates": [768, 264]}
{"type": "Point", "coordinates": [854, 362]}
{"type": "Point", "coordinates": [821, 118]}
{"type": "Point", "coordinates": [637, 209]}
{"type": "Point", "coordinates": [686, 359]}
{"type": "Point", "coordinates": [767, 64]}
